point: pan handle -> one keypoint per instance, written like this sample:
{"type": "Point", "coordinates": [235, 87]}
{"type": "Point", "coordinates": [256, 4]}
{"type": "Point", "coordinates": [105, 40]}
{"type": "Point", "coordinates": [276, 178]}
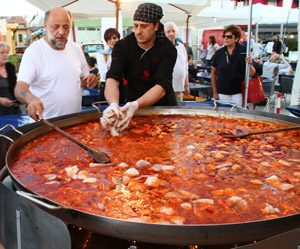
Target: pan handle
{"type": "Point", "coordinates": [3, 173]}
{"type": "Point", "coordinates": [216, 102]}
{"type": "Point", "coordinates": [97, 104]}
{"type": "Point", "coordinates": [14, 129]}
{"type": "Point", "coordinates": [35, 199]}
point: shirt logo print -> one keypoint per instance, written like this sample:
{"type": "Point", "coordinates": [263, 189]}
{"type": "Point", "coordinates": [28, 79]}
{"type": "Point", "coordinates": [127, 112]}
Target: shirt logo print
{"type": "Point", "coordinates": [146, 75]}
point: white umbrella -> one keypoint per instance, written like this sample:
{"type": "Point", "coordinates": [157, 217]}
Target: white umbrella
{"type": "Point", "coordinates": [261, 14]}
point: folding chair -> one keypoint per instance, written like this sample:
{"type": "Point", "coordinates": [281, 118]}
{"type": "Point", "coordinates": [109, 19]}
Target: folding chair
{"type": "Point", "coordinates": [269, 89]}
{"type": "Point", "coordinates": [286, 85]}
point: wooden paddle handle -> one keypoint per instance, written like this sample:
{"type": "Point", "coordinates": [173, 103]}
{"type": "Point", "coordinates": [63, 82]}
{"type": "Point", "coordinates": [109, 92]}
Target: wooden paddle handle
{"type": "Point", "coordinates": [274, 130]}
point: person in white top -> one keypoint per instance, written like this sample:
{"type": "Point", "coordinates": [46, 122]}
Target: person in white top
{"type": "Point", "coordinates": [111, 36]}
{"type": "Point", "coordinates": [275, 61]}
{"type": "Point", "coordinates": [180, 72]}
{"type": "Point", "coordinates": [212, 47]}
{"type": "Point", "coordinates": [53, 70]}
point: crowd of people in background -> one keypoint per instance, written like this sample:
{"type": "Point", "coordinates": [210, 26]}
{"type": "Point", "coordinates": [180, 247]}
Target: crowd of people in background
{"type": "Point", "coordinates": [152, 66]}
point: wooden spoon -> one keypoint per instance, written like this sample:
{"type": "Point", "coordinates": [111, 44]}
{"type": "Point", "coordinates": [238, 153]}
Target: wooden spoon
{"type": "Point", "coordinates": [98, 156]}
{"type": "Point", "coordinates": [250, 133]}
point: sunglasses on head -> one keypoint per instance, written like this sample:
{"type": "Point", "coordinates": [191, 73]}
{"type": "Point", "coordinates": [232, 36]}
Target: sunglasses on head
{"type": "Point", "coordinates": [227, 36]}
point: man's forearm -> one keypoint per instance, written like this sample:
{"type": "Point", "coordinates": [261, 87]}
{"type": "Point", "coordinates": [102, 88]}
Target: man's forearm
{"type": "Point", "coordinates": [23, 94]}
{"type": "Point", "coordinates": [112, 92]}
{"type": "Point", "coordinates": [151, 96]}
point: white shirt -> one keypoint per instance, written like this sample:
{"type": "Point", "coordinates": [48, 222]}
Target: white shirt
{"type": "Point", "coordinates": [54, 76]}
{"type": "Point", "coordinates": [211, 49]}
{"type": "Point", "coordinates": [180, 70]}
{"type": "Point", "coordinates": [268, 68]}
{"type": "Point", "coordinates": [104, 62]}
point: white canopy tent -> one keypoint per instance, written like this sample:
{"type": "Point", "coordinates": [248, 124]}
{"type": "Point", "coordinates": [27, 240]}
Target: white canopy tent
{"type": "Point", "coordinates": [107, 8]}
{"type": "Point", "coordinates": [261, 14]}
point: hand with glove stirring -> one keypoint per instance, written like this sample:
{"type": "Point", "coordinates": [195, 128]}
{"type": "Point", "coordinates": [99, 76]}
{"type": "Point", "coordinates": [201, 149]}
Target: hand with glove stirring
{"type": "Point", "coordinates": [110, 118]}
{"type": "Point", "coordinates": [128, 111]}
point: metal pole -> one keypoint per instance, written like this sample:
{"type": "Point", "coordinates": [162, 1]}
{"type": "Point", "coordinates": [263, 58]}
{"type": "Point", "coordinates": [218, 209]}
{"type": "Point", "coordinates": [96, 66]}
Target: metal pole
{"type": "Point", "coordinates": [247, 74]}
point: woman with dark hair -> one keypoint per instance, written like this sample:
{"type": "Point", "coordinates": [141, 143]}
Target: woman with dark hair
{"type": "Point", "coordinates": [8, 80]}
{"type": "Point", "coordinates": [111, 36]}
{"type": "Point", "coordinates": [228, 67]}
{"type": "Point", "coordinates": [212, 47]}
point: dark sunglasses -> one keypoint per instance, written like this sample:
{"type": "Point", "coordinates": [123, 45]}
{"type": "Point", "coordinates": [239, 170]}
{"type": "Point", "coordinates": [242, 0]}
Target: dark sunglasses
{"type": "Point", "coordinates": [227, 36]}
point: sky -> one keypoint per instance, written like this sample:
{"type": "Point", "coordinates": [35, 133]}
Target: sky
{"type": "Point", "coordinates": [18, 8]}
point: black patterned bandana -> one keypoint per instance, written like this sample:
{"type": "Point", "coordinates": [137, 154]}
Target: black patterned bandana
{"type": "Point", "coordinates": [150, 13]}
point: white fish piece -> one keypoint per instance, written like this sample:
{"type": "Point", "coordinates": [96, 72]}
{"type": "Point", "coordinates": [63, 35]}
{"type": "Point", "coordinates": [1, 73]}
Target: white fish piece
{"type": "Point", "coordinates": [177, 220]}
{"type": "Point", "coordinates": [272, 179]}
{"type": "Point", "coordinates": [132, 172]}
{"type": "Point", "coordinates": [90, 180]}
{"type": "Point", "coordinates": [162, 167]}
{"type": "Point", "coordinates": [269, 209]}
{"type": "Point", "coordinates": [286, 186]}
{"type": "Point", "coordinates": [71, 171]}
{"type": "Point", "coordinates": [152, 181]}
{"type": "Point", "coordinates": [52, 182]}
{"type": "Point", "coordinates": [186, 205]}
{"type": "Point", "coordinates": [93, 165]}
{"type": "Point", "coordinates": [285, 163]}
{"type": "Point", "coordinates": [191, 147]}
{"type": "Point", "coordinates": [142, 163]}
{"type": "Point", "coordinates": [166, 210]}
{"type": "Point", "coordinates": [123, 165]}
{"type": "Point", "coordinates": [50, 177]}
{"type": "Point", "coordinates": [205, 201]}
{"type": "Point", "coordinates": [83, 174]}
{"type": "Point", "coordinates": [101, 206]}
{"type": "Point", "coordinates": [223, 165]}
{"type": "Point", "coordinates": [237, 200]}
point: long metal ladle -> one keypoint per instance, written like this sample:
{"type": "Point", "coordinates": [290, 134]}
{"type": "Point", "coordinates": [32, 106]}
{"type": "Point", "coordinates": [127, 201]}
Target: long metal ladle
{"type": "Point", "coordinates": [98, 156]}
{"type": "Point", "coordinates": [250, 133]}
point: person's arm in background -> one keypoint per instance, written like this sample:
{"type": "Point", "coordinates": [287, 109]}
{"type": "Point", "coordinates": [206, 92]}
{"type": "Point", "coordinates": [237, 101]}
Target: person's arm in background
{"type": "Point", "coordinates": [87, 79]}
{"type": "Point", "coordinates": [102, 66]}
{"type": "Point", "coordinates": [213, 75]}
{"type": "Point", "coordinates": [213, 78]}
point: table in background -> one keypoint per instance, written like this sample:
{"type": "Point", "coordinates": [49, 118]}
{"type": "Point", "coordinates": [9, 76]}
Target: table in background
{"type": "Point", "coordinates": [198, 88]}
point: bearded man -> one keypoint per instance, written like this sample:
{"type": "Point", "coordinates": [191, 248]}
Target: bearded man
{"type": "Point", "coordinates": [53, 70]}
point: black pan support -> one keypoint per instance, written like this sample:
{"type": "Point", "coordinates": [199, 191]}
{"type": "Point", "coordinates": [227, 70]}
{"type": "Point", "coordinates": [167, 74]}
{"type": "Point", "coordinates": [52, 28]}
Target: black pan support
{"type": "Point", "coordinates": [214, 234]}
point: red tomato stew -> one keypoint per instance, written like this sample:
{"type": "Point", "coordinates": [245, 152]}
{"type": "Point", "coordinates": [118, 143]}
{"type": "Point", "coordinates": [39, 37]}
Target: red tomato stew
{"type": "Point", "coordinates": [169, 169]}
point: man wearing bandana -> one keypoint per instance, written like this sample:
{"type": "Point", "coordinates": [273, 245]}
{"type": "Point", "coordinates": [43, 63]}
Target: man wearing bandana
{"type": "Point", "coordinates": [146, 60]}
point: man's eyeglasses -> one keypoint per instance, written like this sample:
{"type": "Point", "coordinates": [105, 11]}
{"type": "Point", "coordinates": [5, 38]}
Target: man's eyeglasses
{"type": "Point", "coordinates": [227, 36]}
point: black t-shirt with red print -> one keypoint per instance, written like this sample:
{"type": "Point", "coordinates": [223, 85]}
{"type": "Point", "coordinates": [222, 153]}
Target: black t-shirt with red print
{"type": "Point", "coordinates": [143, 69]}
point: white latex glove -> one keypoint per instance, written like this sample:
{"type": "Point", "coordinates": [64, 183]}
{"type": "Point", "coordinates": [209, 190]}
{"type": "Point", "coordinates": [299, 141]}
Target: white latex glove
{"type": "Point", "coordinates": [110, 116]}
{"type": "Point", "coordinates": [128, 110]}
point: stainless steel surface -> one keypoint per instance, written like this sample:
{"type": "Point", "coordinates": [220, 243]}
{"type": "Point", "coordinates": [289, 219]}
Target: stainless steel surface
{"type": "Point", "coordinates": [287, 240]}
{"type": "Point", "coordinates": [162, 233]}
{"type": "Point", "coordinates": [23, 225]}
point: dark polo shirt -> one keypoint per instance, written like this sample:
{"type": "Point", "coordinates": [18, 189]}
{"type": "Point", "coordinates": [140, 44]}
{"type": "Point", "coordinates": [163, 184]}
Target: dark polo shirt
{"type": "Point", "coordinates": [144, 69]}
{"type": "Point", "coordinates": [230, 69]}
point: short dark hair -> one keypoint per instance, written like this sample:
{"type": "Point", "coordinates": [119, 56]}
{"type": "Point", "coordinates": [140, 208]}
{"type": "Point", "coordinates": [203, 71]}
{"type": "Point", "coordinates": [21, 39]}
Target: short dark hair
{"type": "Point", "coordinates": [109, 33]}
{"type": "Point", "coordinates": [235, 30]}
{"type": "Point", "coordinates": [212, 39]}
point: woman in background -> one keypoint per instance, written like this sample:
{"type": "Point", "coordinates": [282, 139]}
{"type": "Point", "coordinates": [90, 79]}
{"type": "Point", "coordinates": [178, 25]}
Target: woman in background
{"type": "Point", "coordinates": [212, 47]}
{"type": "Point", "coordinates": [8, 79]}
{"type": "Point", "coordinates": [111, 37]}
